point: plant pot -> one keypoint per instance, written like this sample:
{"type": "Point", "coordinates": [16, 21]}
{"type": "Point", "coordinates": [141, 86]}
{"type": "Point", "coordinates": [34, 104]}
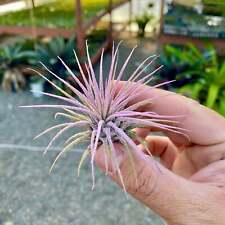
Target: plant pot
{"type": "Point", "coordinates": [37, 88]}
{"type": "Point", "coordinates": [13, 80]}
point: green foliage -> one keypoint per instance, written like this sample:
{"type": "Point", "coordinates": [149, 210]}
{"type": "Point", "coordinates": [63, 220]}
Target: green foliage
{"type": "Point", "coordinates": [47, 52]}
{"type": "Point", "coordinates": [95, 39]}
{"type": "Point", "coordinates": [151, 5]}
{"type": "Point", "coordinates": [188, 55]}
{"type": "Point", "coordinates": [171, 56]}
{"type": "Point", "coordinates": [29, 53]}
{"type": "Point", "coordinates": [214, 7]}
{"type": "Point", "coordinates": [13, 55]}
{"type": "Point", "coordinates": [57, 13]}
{"type": "Point", "coordinates": [184, 63]}
{"type": "Point", "coordinates": [205, 71]}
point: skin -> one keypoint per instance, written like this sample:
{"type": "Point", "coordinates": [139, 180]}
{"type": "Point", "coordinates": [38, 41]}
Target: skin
{"type": "Point", "coordinates": [188, 185]}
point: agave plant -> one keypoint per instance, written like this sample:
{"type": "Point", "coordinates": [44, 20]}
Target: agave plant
{"type": "Point", "coordinates": [48, 52]}
{"type": "Point", "coordinates": [11, 57]}
{"type": "Point", "coordinates": [104, 110]}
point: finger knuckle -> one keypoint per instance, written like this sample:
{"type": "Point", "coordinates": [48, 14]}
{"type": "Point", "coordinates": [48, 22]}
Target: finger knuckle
{"type": "Point", "coordinates": [144, 185]}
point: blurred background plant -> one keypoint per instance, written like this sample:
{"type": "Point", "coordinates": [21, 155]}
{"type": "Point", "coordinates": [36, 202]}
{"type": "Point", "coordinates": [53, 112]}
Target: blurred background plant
{"type": "Point", "coordinates": [47, 52]}
{"type": "Point", "coordinates": [142, 22]}
{"type": "Point", "coordinates": [199, 74]}
{"type": "Point", "coordinates": [26, 53]}
{"type": "Point", "coordinates": [146, 18]}
{"type": "Point", "coordinates": [184, 63]}
{"type": "Point", "coordinates": [54, 14]}
{"type": "Point", "coordinates": [12, 58]}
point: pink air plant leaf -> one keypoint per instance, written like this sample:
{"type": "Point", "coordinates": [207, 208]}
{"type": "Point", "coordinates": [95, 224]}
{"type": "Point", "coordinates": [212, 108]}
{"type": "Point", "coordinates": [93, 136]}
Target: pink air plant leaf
{"type": "Point", "coordinates": [105, 113]}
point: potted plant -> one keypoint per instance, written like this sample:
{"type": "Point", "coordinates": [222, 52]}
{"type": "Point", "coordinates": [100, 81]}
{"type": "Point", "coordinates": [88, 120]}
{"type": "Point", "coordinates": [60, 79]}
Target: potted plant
{"type": "Point", "coordinates": [12, 57]}
{"type": "Point", "coordinates": [37, 86]}
{"type": "Point", "coordinates": [47, 53]}
{"type": "Point", "coordinates": [142, 22]}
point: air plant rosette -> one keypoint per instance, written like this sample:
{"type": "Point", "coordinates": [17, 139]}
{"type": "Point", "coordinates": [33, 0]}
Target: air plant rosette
{"type": "Point", "coordinates": [104, 110]}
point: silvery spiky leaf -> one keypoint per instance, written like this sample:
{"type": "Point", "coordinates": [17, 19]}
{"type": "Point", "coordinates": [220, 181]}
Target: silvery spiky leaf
{"type": "Point", "coordinates": [103, 110]}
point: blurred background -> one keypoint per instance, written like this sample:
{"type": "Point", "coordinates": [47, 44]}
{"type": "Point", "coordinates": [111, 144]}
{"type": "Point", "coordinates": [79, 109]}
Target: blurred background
{"type": "Point", "coordinates": [188, 36]}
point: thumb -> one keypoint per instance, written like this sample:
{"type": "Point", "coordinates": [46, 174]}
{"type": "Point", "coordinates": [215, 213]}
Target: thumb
{"type": "Point", "coordinates": [164, 192]}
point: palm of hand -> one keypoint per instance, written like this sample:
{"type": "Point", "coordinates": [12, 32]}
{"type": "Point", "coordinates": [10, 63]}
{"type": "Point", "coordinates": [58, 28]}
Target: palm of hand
{"type": "Point", "coordinates": [204, 164]}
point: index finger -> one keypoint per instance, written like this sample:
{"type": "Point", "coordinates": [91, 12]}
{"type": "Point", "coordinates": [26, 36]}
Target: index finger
{"type": "Point", "coordinates": [204, 126]}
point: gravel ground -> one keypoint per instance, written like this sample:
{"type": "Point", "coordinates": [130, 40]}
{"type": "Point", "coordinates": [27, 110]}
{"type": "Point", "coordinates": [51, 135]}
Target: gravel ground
{"type": "Point", "coordinates": [29, 196]}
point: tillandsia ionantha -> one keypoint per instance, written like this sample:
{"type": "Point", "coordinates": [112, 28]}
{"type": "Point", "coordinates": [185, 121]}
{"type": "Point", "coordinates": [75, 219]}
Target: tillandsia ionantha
{"type": "Point", "coordinates": [103, 110]}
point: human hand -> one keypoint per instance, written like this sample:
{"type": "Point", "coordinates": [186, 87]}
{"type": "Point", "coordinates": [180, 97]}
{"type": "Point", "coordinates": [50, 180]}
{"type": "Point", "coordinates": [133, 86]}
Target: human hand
{"type": "Point", "coordinates": [188, 187]}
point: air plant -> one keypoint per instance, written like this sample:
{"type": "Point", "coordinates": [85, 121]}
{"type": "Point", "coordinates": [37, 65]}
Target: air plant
{"type": "Point", "coordinates": [103, 110]}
